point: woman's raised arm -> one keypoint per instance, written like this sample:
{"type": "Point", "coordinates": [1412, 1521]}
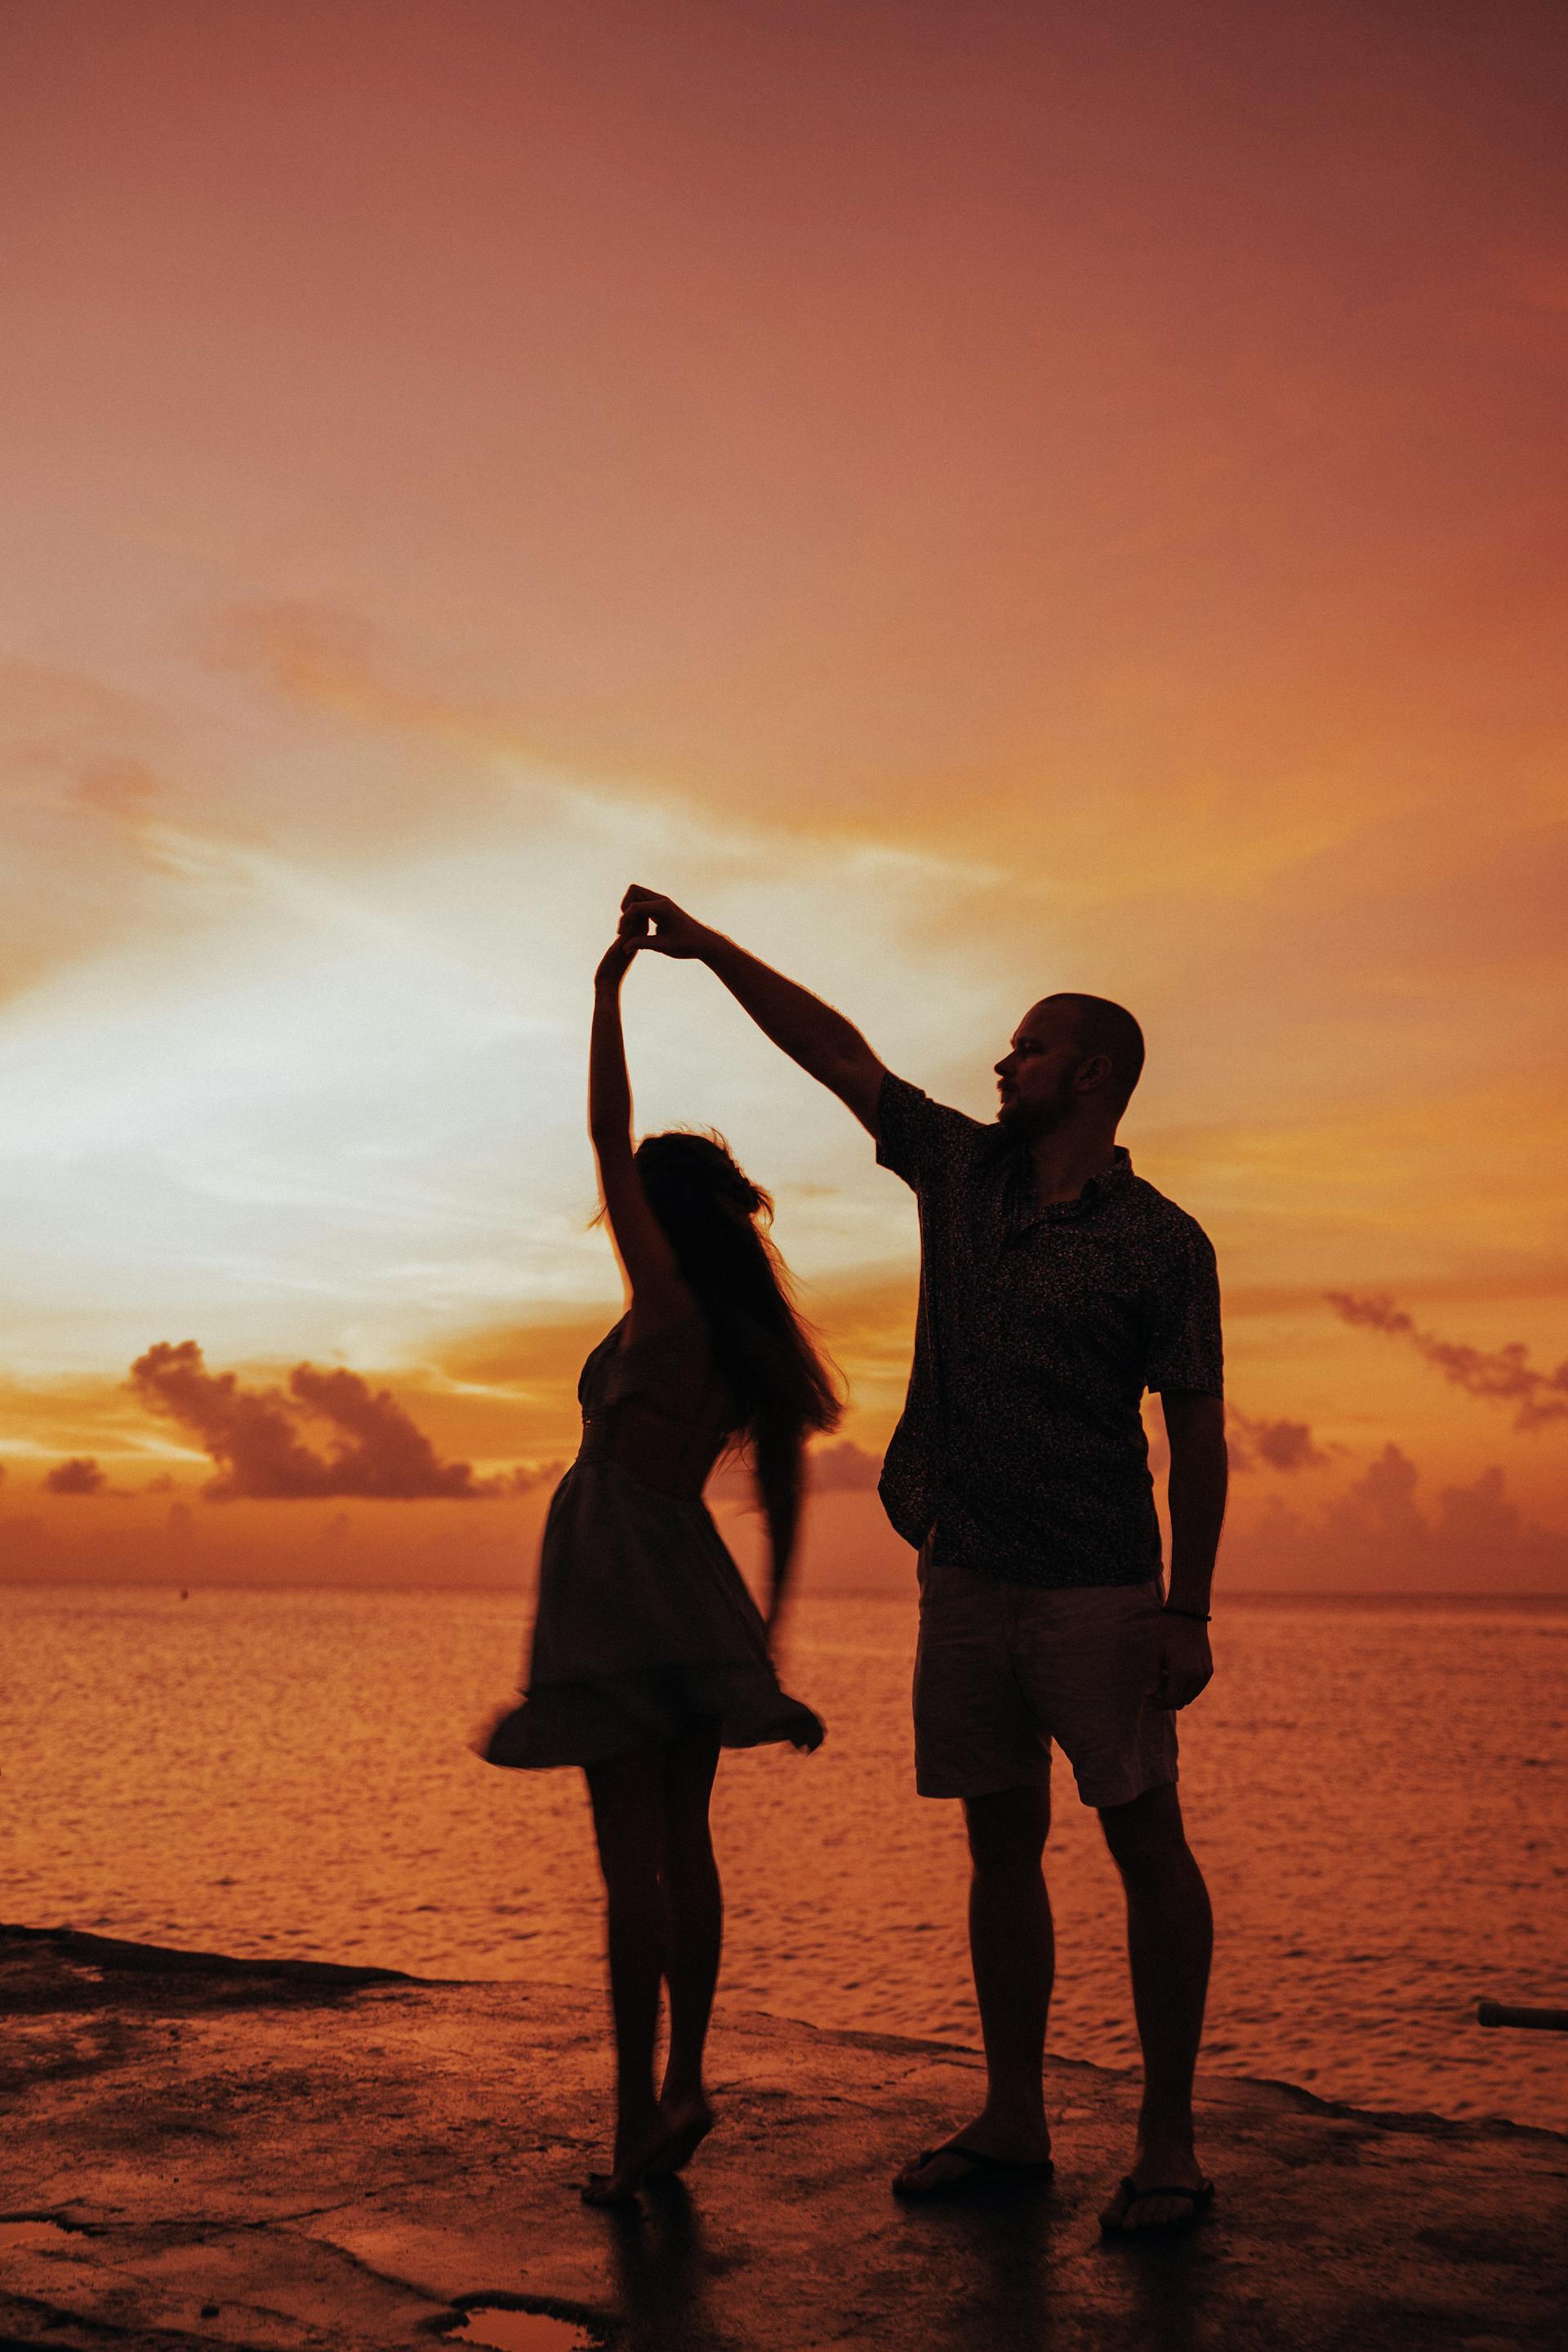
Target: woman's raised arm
{"type": "Point", "coordinates": [659, 1293]}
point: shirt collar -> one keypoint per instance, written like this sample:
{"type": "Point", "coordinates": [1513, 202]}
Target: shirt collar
{"type": "Point", "coordinates": [1019, 1191]}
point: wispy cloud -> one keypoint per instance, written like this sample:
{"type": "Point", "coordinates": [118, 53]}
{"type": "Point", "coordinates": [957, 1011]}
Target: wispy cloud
{"type": "Point", "coordinates": [1499, 1375]}
{"type": "Point", "coordinates": [116, 787]}
{"type": "Point", "coordinates": [327, 658]}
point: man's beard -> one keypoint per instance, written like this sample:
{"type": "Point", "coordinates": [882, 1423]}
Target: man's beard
{"type": "Point", "coordinates": [1026, 1122]}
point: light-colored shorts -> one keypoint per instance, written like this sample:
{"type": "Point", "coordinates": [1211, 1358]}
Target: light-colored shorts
{"type": "Point", "coordinates": [1003, 1670]}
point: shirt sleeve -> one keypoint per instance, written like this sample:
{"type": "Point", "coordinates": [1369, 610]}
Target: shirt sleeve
{"type": "Point", "coordinates": [1185, 1350]}
{"type": "Point", "coordinates": [917, 1138]}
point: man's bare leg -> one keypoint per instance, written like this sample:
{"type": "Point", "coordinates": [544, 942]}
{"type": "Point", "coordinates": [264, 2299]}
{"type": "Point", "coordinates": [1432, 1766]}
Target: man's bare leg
{"type": "Point", "coordinates": [1012, 1951]}
{"type": "Point", "coordinates": [1170, 1939]}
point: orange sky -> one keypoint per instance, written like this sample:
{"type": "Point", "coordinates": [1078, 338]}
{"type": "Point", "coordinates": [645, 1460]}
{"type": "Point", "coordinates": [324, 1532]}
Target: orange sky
{"type": "Point", "coordinates": [976, 500]}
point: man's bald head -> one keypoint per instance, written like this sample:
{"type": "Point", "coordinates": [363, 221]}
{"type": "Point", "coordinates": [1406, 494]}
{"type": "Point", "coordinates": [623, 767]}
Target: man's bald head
{"type": "Point", "coordinates": [1101, 1027]}
{"type": "Point", "coordinates": [1074, 1059]}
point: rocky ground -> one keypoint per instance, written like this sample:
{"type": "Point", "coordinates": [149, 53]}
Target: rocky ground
{"type": "Point", "coordinates": [205, 2152]}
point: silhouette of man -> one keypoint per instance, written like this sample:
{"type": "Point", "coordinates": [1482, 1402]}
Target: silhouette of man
{"type": "Point", "coordinates": [1056, 1287]}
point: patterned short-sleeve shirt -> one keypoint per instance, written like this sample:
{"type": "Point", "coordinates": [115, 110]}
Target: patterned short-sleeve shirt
{"type": "Point", "coordinates": [1021, 1451]}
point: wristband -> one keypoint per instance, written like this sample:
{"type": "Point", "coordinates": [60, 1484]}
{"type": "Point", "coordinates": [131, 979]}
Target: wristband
{"type": "Point", "coordinates": [1198, 1616]}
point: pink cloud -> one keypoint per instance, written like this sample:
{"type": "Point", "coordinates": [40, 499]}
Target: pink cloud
{"type": "Point", "coordinates": [253, 1435]}
{"type": "Point", "coordinates": [79, 1476]}
{"type": "Point", "coordinates": [1271, 1444]}
{"type": "Point", "coordinates": [1500, 1375]}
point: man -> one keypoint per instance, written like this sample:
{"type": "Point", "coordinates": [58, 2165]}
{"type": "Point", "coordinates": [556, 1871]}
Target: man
{"type": "Point", "coordinates": [1055, 1288]}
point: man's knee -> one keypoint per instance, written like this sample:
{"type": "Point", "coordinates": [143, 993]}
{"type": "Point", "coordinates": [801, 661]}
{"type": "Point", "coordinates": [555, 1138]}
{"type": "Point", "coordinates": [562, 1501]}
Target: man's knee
{"type": "Point", "coordinates": [1146, 1833]}
{"type": "Point", "coordinates": [1008, 1828]}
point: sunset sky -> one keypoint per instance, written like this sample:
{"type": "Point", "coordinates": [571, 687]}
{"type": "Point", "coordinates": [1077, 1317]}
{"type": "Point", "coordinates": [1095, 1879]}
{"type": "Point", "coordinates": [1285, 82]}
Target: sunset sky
{"type": "Point", "coordinates": [974, 501]}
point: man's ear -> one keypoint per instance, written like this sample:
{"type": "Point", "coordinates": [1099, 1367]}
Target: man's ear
{"type": "Point", "coordinates": [1092, 1072]}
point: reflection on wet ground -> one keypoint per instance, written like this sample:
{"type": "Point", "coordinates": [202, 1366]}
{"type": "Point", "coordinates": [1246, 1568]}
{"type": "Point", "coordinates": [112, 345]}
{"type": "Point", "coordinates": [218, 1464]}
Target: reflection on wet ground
{"type": "Point", "coordinates": [663, 2266]}
{"type": "Point", "coordinates": [34, 2237]}
{"type": "Point", "coordinates": [509, 2328]}
{"type": "Point", "coordinates": [396, 2166]}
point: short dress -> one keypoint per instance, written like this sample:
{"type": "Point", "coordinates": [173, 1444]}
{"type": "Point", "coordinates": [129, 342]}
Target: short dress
{"type": "Point", "coordinates": [644, 1624]}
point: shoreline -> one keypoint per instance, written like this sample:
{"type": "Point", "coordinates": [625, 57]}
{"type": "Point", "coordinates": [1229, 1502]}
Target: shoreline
{"type": "Point", "coordinates": [1468, 1599]}
{"type": "Point", "coordinates": [292, 2157]}
{"type": "Point", "coordinates": [129, 1956]}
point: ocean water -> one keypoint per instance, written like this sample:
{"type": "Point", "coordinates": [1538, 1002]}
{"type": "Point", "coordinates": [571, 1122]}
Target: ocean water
{"type": "Point", "coordinates": [1378, 1795]}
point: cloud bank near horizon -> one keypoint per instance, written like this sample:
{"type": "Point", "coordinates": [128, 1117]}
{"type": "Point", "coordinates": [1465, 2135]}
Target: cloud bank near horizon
{"type": "Point", "coordinates": [1390, 1529]}
{"type": "Point", "coordinates": [253, 1436]}
{"type": "Point", "coordinates": [78, 1474]}
{"type": "Point", "coordinates": [1377, 1536]}
{"type": "Point", "coordinates": [1287, 1445]}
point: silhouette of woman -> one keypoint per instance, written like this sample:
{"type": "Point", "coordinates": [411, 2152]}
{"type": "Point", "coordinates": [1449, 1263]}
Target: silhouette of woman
{"type": "Point", "coordinates": [648, 1653]}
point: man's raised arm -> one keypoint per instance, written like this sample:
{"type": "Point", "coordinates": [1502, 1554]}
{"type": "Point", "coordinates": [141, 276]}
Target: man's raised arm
{"type": "Point", "coordinates": [826, 1046]}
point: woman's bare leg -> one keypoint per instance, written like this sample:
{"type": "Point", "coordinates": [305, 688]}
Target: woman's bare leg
{"type": "Point", "coordinates": [628, 1800]}
{"type": "Point", "coordinates": [694, 1920]}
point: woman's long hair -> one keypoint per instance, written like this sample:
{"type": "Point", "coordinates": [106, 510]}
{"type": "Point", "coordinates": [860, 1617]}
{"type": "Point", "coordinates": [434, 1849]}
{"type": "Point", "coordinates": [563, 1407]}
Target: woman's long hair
{"type": "Point", "coordinates": [712, 1216]}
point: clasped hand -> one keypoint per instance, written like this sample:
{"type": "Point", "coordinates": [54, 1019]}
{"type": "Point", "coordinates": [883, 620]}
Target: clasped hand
{"type": "Point", "coordinates": [648, 920]}
{"type": "Point", "coordinates": [1184, 1663]}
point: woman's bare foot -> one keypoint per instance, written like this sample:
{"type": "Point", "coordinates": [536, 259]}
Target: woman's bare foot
{"type": "Point", "coordinates": [610, 2189]}
{"type": "Point", "coordinates": [634, 2152]}
{"type": "Point", "coordinates": [683, 2125]}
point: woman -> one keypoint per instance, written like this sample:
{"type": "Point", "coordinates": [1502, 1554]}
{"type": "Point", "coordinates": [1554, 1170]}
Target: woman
{"type": "Point", "coordinates": [649, 1655]}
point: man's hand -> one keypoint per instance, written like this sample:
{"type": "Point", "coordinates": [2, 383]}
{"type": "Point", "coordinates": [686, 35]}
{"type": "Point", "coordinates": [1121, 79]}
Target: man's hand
{"type": "Point", "coordinates": [1184, 1664]}
{"type": "Point", "coordinates": [1194, 1423]}
{"type": "Point", "coordinates": [651, 920]}
{"type": "Point", "coordinates": [826, 1046]}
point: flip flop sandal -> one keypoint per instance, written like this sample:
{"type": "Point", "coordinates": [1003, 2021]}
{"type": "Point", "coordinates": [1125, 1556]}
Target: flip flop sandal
{"type": "Point", "coordinates": [984, 2172]}
{"type": "Point", "coordinates": [1199, 2199]}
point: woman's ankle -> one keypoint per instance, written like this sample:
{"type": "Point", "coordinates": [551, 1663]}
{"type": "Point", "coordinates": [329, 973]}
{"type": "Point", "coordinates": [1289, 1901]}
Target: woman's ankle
{"type": "Point", "coordinates": [681, 2092]}
{"type": "Point", "coordinates": [636, 2117]}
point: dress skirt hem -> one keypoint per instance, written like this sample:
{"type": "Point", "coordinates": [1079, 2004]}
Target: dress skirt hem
{"type": "Point", "coordinates": [588, 1723]}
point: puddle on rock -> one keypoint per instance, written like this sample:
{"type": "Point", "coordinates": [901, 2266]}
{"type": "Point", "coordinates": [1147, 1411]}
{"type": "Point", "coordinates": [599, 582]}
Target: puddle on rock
{"type": "Point", "coordinates": [503, 2327]}
{"type": "Point", "coordinates": [34, 2237]}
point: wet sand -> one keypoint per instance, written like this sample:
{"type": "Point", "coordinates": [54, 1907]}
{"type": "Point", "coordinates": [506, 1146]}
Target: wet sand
{"type": "Point", "coordinates": [308, 2160]}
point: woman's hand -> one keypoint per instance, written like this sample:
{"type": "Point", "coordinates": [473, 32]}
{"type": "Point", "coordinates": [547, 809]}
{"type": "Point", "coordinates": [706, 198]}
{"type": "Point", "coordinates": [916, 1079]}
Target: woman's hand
{"type": "Point", "coordinates": [614, 963]}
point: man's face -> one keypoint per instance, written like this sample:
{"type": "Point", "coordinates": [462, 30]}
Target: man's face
{"type": "Point", "coordinates": [1034, 1079]}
